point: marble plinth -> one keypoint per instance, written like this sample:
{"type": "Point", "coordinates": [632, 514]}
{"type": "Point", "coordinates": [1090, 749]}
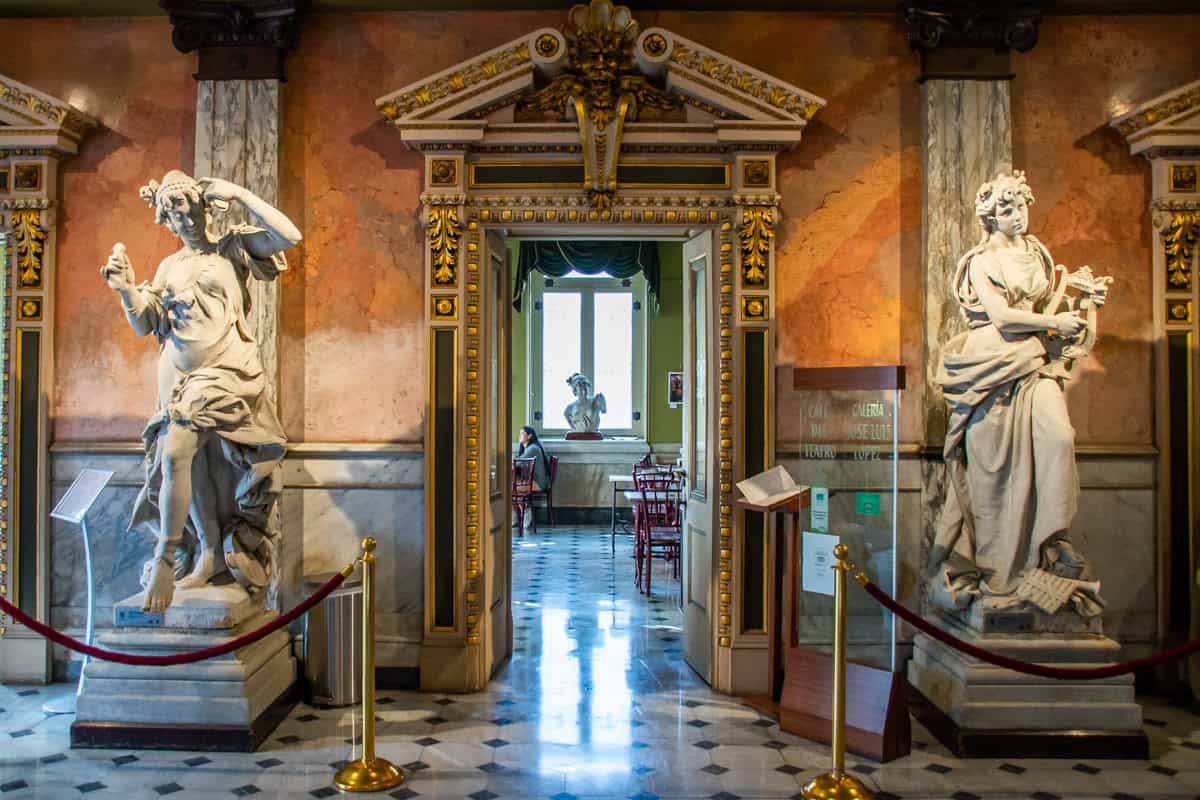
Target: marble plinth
{"type": "Point", "coordinates": [977, 709]}
{"type": "Point", "coordinates": [230, 703]}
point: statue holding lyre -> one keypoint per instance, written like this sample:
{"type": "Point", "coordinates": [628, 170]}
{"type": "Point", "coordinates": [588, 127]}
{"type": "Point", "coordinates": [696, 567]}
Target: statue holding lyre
{"type": "Point", "coordinates": [1010, 447]}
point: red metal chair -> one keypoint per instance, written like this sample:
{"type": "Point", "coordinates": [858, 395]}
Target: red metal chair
{"type": "Point", "coordinates": [523, 489]}
{"type": "Point", "coordinates": [546, 496]}
{"type": "Point", "coordinates": [660, 521]}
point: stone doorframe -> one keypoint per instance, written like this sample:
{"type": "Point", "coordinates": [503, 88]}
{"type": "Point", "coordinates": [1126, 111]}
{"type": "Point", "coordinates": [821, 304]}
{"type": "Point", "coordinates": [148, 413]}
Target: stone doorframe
{"type": "Point", "coordinates": [678, 138]}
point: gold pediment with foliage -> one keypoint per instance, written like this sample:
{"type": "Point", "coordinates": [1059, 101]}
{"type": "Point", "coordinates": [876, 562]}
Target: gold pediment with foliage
{"type": "Point", "coordinates": [600, 67]}
{"type": "Point", "coordinates": [1166, 125]}
{"type": "Point", "coordinates": [30, 119]}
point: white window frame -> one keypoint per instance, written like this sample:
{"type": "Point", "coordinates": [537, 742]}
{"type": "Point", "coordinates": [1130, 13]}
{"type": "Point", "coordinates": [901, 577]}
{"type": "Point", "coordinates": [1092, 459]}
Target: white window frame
{"type": "Point", "coordinates": [552, 424]}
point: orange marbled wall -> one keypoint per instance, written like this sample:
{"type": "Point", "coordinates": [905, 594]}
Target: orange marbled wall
{"type": "Point", "coordinates": [849, 236]}
{"type": "Point", "coordinates": [1092, 196]}
{"type": "Point", "coordinates": [125, 73]}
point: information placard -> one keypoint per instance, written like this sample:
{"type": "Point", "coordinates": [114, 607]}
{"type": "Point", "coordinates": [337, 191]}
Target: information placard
{"type": "Point", "coordinates": [74, 505]}
{"type": "Point", "coordinates": [818, 560]}
{"type": "Point", "coordinates": [819, 514]}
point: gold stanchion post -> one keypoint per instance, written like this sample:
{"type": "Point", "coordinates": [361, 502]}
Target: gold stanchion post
{"type": "Point", "coordinates": [369, 773]}
{"type": "Point", "coordinates": [836, 784]}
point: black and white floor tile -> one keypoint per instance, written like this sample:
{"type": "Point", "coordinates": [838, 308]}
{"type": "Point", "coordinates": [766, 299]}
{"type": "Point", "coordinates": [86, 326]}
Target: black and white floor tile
{"type": "Point", "coordinates": [596, 703]}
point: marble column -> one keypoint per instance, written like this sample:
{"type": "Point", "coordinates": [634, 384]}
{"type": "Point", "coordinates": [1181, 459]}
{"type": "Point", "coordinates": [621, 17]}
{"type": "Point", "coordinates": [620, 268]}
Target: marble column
{"type": "Point", "coordinates": [237, 138]}
{"type": "Point", "coordinates": [968, 140]}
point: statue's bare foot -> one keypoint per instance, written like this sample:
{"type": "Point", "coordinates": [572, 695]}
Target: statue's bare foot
{"type": "Point", "coordinates": [206, 568]}
{"type": "Point", "coordinates": [161, 587]}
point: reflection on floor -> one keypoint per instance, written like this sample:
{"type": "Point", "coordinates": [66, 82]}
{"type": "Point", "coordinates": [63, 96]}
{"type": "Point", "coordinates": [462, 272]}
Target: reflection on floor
{"type": "Point", "coordinates": [595, 703]}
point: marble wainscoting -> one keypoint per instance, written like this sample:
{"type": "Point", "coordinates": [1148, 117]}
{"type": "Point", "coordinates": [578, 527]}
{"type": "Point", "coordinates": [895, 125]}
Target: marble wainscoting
{"type": "Point", "coordinates": [582, 492]}
{"type": "Point", "coordinates": [1115, 529]}
{"type": "Point", "coordinates": [334, 495]}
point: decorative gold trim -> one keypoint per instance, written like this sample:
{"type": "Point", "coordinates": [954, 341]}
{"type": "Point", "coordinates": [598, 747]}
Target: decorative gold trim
{"type": "Point", "coordinates": [1179, 244]}
{"type": "Point", "coordinates": [438, 450]}
{"type": "Point", "coordinates": [7, 477]}
{"type": "Point", "coordinates": [727, 426]}
{"type": "Point", "coordinates": [45, 112]}
{"type": "Point", "coordinates": [725, 182]}
{"type": "Point", "coordinates": [444, 230]}
{"type": "Point", "coordinates": [1156, 113]}
{"type": "Point", "coordinates": [443, 307]}
{"type": "Point", "coordinates": [756, 172]}
{"type": "Point", "coordinates": [474, 387]}
{"type": "Point", "coordinates": [443, 172]}
{"type": "Point", "coordinates": [546, 45]}
{"type": "Point", "coordinates": [1179, 311]}
{"type": "Point", "coordinates": [1183, 177]}
{"type": "Point", "coordinates": [756, 232]}
{"type": "Point", "coordinates": [490, 186]}
{"type": "Point", "coordinates": [755, 308]}
{"type": "Point", "coordinates": [30, 238]}
{"type": "Point", "coordinates": [27, 177]}
{"type": "Point", "coordinates": [485, 69]}
{"type": "Point", "coordinates": [760, 87]}
{"type": "Point", "coordinates": [655, 45]}
{"type": "Point", "coordinates": [29, 309]}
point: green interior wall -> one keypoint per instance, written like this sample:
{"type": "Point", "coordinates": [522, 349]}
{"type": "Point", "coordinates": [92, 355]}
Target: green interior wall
{"type": "Point", "coordinates": [664, 335]}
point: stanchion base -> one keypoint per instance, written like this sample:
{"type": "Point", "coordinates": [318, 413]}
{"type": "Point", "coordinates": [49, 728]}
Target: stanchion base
{"type": "Point", "coordinates": [60, 705]}
{"type": "Point", "coordinates": [368, 776]}
{"type": "Point", "coordinates": [836, 786]}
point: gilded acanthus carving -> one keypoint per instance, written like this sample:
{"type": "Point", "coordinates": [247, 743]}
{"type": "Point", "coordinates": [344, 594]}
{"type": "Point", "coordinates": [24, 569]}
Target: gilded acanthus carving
{"type": "Point", "coordinates": [1179, 244]}
{"type": "Point", "coordinates": [756, 231]}
{"type": "Point", "coordinates": [718, 69]}
{"type": "Point", "coordinates": [445, 228]}
{"type": "Point", "coordinates": [42, 111]}
{"type": "Point", "coordinates": [30, 238]}
{"type": "Point", "coordinates": [1164, 110]}
{"type": "Point", "coordinates": [484, 69]}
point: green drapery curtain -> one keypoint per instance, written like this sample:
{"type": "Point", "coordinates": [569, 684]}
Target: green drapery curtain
{"type": "Point", "coordinates": [618, 259]}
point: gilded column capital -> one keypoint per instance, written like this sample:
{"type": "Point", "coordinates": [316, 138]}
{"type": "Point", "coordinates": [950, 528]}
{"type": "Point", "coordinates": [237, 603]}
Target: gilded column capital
{"type": "Point", "coordinates": [236, 39]}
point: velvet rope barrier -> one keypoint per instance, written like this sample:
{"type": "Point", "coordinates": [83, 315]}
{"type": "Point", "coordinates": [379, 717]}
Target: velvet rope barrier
{"type": "Point", "coordinates": [177, 658]}
{"type": "Point", "coordinates": [1041, 670]}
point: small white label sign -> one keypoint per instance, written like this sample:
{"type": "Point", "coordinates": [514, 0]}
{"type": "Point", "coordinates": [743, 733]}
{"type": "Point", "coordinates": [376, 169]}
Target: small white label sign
{"type": "Point", "coordinates": [82, 493]}
{"type": "Point", "coordinates": [819, 515]}
{"type": "Point", "coordinates": [817, 560]}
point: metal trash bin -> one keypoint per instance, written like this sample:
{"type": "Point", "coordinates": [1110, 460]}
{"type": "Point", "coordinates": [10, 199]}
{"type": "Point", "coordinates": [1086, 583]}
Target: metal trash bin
{"type": "Point", "coordinates": [333, 643]}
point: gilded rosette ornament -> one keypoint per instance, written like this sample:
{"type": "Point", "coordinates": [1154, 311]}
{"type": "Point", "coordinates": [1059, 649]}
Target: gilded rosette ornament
{"type": "Point", "coordinates": [756, 232]}
{"type": "Point", "coordinates": [445, 227]}
{"type": "Point", "coordinates": [1179, 245]}
{"type": "Point", "coordinates": [30, 238]}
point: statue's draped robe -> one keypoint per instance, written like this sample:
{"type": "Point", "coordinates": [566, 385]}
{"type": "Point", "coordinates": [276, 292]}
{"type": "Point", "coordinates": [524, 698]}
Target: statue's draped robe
{"type": "Point", "coordinates": [1013, 480]}
{"type": "Point", "coordinates": [211, 380]}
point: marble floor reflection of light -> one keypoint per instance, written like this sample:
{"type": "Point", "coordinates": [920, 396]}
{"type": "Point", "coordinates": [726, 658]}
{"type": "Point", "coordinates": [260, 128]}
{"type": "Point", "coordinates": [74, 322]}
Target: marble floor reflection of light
{"type": "Point", "coordinates": [596, 702]}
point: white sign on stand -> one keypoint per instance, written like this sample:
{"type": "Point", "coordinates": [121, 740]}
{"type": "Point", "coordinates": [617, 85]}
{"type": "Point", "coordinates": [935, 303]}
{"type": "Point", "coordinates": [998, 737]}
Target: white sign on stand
{"type": "Point", "coordinates": [73, 507]}
{"type": "Point", "coordinates": [817, 562]}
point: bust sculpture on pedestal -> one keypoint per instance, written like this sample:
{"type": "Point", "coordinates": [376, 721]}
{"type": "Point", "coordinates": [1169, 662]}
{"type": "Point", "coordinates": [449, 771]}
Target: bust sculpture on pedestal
{"type": "Point", "coordinates": [214, 444]}
{"type": "Point", "coordinates": [583, 415]}
{"type": "Point", "coordinates": [1010, 447]}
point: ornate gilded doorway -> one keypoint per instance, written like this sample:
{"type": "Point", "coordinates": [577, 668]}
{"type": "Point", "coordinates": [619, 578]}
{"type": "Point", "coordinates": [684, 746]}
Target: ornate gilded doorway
{"type": "Point", "coordinates": [540, 136]}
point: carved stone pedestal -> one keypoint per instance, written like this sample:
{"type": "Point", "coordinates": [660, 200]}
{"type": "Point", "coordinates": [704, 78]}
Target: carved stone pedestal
{"type": "Point", "coordinates": [231, 703]}
{"type": "Point", "coordinates": [979, 710]}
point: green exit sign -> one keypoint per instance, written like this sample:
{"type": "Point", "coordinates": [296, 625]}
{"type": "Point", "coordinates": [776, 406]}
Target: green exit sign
{"type": "Point", "coordinates": [867, 503]}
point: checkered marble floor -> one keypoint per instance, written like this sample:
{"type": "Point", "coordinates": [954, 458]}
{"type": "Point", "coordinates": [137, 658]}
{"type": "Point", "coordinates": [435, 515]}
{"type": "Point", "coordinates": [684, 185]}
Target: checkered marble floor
{"type": "Point", "coordinates": [596, 702]}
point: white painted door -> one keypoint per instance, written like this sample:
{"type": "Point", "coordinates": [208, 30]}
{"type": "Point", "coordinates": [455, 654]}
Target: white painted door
{"type": "Point", "coordinates": [700, 412]}
{"type": "Point", "coordinates": [496, 429]}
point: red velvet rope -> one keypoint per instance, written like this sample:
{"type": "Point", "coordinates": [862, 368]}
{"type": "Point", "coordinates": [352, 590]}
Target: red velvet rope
{"type": "Point", "coordinates": [175, 658]}
{"type": "Point", "coordinates": [1041, 670]}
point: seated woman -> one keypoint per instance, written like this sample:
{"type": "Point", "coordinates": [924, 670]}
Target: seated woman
{"type": "Point", "coordinates": [532, 448]}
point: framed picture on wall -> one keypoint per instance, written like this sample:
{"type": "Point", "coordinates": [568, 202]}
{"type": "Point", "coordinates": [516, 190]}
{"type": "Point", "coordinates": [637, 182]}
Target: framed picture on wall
{"type": "Point", "coordinates": [674, 389]}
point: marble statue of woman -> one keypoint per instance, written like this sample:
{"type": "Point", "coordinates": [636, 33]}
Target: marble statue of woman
{"type": "Point", "coordinates": [583, 414]}
{"type": "Point", "coordinates": [214, 445]}
{"type": "Point", "coordinates": [1010, 447]}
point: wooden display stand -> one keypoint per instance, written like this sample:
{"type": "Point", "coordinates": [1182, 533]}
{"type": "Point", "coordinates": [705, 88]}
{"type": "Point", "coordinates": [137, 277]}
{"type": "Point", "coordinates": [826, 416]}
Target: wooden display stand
{"type": "Point", "coordinates": [801, 680]}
